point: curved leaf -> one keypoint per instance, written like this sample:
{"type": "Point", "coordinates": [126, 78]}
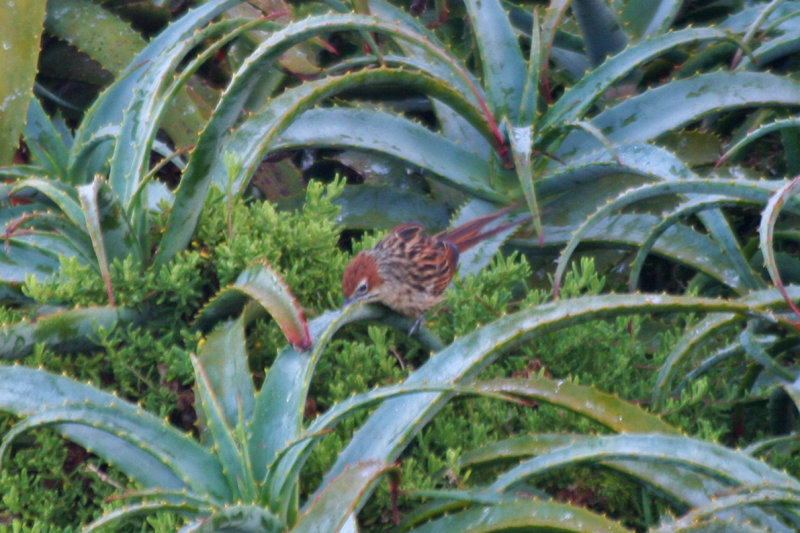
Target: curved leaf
{"type": "Point", "coordinates": [741, 189]}
{"type": "Point", "coordinates": [45, 143]}
{"type": "Point", "coordinates": [227, 448]}
{"type": "Point", "coordinates": [241, 518]}
{"type": "Point", "coordinates": [606, 409]}
{"type": "Point", "coordinates": [579, 98]}
{"type": "Point", "coordinates": [261, 283]}
{"type": "Point", "coordinates": [376, 130]}
{"type": "Point", "coordinates": [769, 496]}
{"type": "Point", "coordinates": [62, 331]}
{"type": "Point", "coordinates": [696, 335]}
{"type": "Point", "coordinates": [766, 230]}
{"type": "Point", "coordinates": [524, 515]}
{"type": "Point", "coordinates": [20, 32]}
{"type": "Point", "coordinates": [395, 422]}
{"type": "Point", "coordinates": [251, 141]}
{"type": "Point", "coordinates": [329, 510]}
{"type": "Point", "coordinates": [643, 117]}
{"type": "Point", "coordinates": [757, 133]}
{"type": "Point", "coordinates": [142, 509]}
{"type": "Point", "coordinates": [731, 467]}
{"type": "Point", "coordinates": [173, 449]}
{"type": "Point", "coordinates": [504, 71]}
{"type": "Point", "coordinates": [26, 391]}
{"type": "Point", "coordinates": [223, 356]}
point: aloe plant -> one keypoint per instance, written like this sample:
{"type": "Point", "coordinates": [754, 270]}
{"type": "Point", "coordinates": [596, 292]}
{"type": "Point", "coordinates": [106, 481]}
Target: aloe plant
{"type": "Point", "coordinates": [538, 123]}
{"type": "Point", "coordinates": [246, 473]}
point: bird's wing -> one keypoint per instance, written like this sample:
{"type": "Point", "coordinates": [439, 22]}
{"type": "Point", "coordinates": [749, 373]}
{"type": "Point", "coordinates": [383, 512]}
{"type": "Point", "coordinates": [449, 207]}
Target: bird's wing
{"type": "Point", "coordinates": [446, 262]}
{"type": "Point", "coordinates": [428, 262]}
{"type": "Point", "coordinates": [402, 237]}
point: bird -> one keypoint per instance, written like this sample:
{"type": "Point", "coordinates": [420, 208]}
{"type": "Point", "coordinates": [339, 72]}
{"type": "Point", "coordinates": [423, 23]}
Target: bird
{"type": "Point", "coordinates": [408, 271]}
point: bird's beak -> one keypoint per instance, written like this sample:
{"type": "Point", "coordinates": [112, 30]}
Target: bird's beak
{"type": "Point", "coordinates": [347, 301]}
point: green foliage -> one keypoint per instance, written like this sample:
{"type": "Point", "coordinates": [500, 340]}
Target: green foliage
{"type": "Point", "coordinates": [514, 105]}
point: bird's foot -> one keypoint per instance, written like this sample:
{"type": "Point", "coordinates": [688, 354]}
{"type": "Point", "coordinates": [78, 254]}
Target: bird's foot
{"type": "Point", "coordinates": [416, 325]}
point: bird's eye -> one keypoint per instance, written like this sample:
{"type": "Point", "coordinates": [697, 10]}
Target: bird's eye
{"type": "Point", "coordinates": [362, 288]}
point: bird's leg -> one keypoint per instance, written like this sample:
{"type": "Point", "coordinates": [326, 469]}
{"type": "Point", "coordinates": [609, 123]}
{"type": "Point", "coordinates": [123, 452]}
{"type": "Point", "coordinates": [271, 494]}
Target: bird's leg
{"type": "Point", "coordinates": [416, 325]}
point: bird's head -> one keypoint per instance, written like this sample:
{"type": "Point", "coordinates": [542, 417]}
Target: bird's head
{"type": "Point", "coordinates": [361, 281]}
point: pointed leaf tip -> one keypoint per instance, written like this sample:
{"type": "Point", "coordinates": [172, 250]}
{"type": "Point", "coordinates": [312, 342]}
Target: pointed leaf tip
{"type": "Point", "coordinates": [261, 282]}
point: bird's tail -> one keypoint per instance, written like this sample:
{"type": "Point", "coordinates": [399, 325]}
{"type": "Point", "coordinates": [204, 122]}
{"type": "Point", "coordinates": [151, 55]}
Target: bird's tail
{"type": "Point", "coordinates": [471, 233]}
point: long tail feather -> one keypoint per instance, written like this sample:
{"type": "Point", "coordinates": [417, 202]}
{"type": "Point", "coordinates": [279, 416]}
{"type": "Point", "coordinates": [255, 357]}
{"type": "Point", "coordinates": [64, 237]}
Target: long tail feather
{"type": "Point", "coordinates": [471, 233]}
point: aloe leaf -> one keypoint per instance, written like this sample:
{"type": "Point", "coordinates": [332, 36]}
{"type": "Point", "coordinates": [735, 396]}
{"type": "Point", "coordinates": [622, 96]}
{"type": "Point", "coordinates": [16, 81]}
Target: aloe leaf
{"type": "Point", "coordinates": [600, 27]}
{"type": "Point", "coordinates": [25, 391]}
{"type": "Point", "coordinates": [521, 139]}
{"type": "Point", "coordinates": [678, 243]}
{"type": "Point", "coordinates": [392, 425]}
{"type": "Point", "coordinates": [644, 19]}
{"type": "Point", "coordinates": [606, 409]}
{"type": "Point", "coordinates": [598, 136]}
{"type": "Point", "coordinates": [729, 466]}
{"type": "Point", "coordinates": [531, 514]}
{"type": "Point", "coordinates": [754, 27]}
{"type": "Point", "coordinates": [636, 158]}
{"type": "Point", "coordinates": [682, 349]}
{"type": "Point", "coordinates": [241, 518]}
{"type": "Point", "coordinates": [504, 71]}
{"type": "Point", "coordinates": [769, 496]}
{"type": "Point", "coordinates": [579, 98]}
{"type": "Point", "coordinates": [382, 206]}
{"type": "Point", "coordinates": [261, 283]}
{"type": "Point", "coordinates": [530, 93]}
{"type": "Point", "coordinates": [88, 195]}
{"type": "Point", "coordinates": [23, 172]}
{"type": "Point", "coordinates": [703, 465]}
{"type": "Point", "coordinates": [642, 117]}
{"type": "Point", "coordinates": [281, 401]}
{"type": "Point", "coordinates": [62, 331]}
{"type": "Point", "coordinates": [45, 142]}
{"type": "Point", "coordinates": [719, 356]}
{"type": "Point", "coordinates": [757, 354]}
{"type": "Point", "coordinates": [757, 133]}
{"type": "Point", "coordinates": [130, 159]}
{"type": "Point", "coordinates": [251, 141]}
{"type": "Point", "coordinates": [143, 509]}
{"type": "Point", "coordinates": [702, 331]}
{"type": "Point", "coordinates": [742, 189]}
{"type": "Point", "coordinates": [770, 51]}
{"type": "Point", "coordinates": [681, 487]}
{"type": "Point", "coordinates": [223, 357]}
{"type": "Point", "coordinates": [53, 234]}
{"type": "Point", "coordinates": [390, 134]}
{"type": "Point", "coordinates": [764, 445]}
{"type": "Point", "coordinates": [19, 259]}
{"type": "Point", "coordinates": [766, 232]}
{"type": "Point", "coordinates": [61, 194]}
{"type": "Point", "coordinates": [114, 44]}
{"type": "Point", "coordinates": [234, 463]}
{"type": "Point", "coordinates": [284, 477]}
{"type": "Point", "coordinates": [450, 501]}
{"type": "Point", "coordinates": [434, 69]}
{"type": "Point", "coordinates": [109, 108]}
{"type": "Point", "coordinates": [21, 30]}
{"type": "Point", "coordinates": [175, 450]}
{"type": "Point", "coordinates": [329, 510]}
{"type": "Point", "coordinates": [696, 205]}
